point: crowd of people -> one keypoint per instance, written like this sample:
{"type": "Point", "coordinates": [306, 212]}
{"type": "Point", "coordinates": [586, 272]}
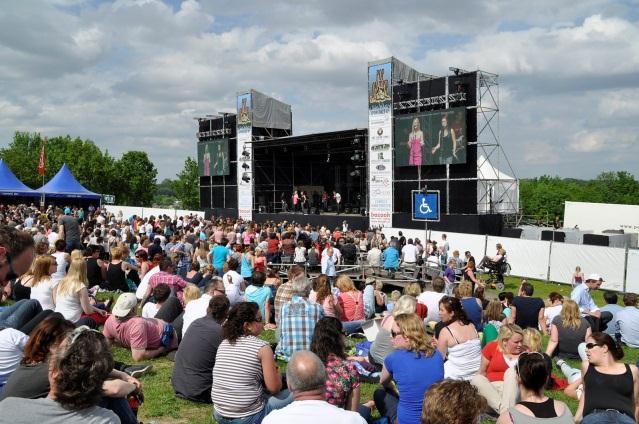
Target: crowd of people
{"type": "Point", "coordinates": [203, 291]}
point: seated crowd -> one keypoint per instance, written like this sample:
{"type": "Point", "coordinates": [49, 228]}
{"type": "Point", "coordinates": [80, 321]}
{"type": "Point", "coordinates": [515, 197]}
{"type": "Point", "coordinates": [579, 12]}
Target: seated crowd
{"type": "Point", "coordinates": [202, 293]}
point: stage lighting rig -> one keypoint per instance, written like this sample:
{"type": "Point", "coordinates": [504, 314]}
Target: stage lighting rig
{"type": "Point", "coordinates": [356, 157]}
{"type": "Point", "coordinates": [355, 173]}
{"type": "Point", "coordinates": [246, 178]}
{"type": "Point", "coordinates": [245, 166]}
{"type": "Point", "coordinates": [328, 157]}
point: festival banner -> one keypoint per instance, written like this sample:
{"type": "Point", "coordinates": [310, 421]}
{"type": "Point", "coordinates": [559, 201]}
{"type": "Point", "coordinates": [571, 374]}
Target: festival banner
{"type": "Point", "coordinates": [42, 167]}
{"type": "Point", "coordinates": [380, 144]}
{"type": "Point", "coordinates": [213, 158]}
{"type": "Point", "coordinates": [244, 157]}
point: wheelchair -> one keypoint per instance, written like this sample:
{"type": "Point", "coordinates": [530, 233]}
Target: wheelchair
{"type": "Point", "coordinates": [496, 272]}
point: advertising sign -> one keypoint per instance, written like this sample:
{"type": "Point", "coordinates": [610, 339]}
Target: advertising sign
{"type": "Point", "coordinates": [380, 142]}
{"type": "Point", "coordinates": [426, 205]}
{"type": "Point", "coordinates": [244, 157]}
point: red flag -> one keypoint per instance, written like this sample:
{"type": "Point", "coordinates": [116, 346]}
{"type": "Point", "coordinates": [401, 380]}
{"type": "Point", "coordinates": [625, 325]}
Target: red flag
{"type": "Point", "coordinates": [41, 164]}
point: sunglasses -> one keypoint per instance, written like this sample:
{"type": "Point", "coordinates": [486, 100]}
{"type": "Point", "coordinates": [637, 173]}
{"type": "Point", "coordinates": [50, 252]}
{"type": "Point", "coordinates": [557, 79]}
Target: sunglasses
{"type": "Point", "coordinates": [591, 345]}
{"type": "Point", "coordinates": [395, 334]}
{"type": "Point", "coordinates": [81, 330]}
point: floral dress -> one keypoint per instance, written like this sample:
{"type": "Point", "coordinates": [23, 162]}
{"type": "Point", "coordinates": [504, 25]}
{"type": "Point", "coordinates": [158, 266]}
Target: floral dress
{"type": "Point", "coordinates": [341, 379]}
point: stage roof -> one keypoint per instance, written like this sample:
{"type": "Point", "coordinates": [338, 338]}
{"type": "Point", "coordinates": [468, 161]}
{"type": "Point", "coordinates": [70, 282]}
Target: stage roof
{"type": "Point", "coordinates": [10, 185]}
{"type": "Point", "coordinates": [312, 138]}
{"type": "Point", "coordinates": [64, 184]}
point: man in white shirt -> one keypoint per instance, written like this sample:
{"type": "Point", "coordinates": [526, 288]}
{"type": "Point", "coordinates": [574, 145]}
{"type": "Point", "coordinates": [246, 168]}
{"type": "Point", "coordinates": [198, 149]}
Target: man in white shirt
{"type": "Point", "coordinates": [197, 308]}
{"type": "Point", "coordinates": [409, 256]}
{"type": "Point", "coordinates": [144, 284]}
{"type": "Point", "coordinates": [306, 378]}
{"type": "Point", "coordinates": [374, 259]}
{"type": "Point", "coordinates": [431, 299]}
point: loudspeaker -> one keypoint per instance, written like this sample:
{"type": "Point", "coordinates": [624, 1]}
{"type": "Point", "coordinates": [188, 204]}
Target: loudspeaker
{"type": "Point", "coordinates": [512, 232]}
{"type": "Point", "coordinates": [596, 240]}
{"type": "Point", "coordinates": [548, 235]}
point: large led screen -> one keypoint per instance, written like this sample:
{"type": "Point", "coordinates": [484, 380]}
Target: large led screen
{"type": "Point", "coordinates": [213, 158]}
{"type": "Point", "coordinates": [431, 138]}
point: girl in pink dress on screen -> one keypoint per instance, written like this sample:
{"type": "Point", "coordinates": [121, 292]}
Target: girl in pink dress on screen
{"type": "Point", "coordinates": [415, 144]}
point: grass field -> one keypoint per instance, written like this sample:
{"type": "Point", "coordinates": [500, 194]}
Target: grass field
{"type": "Point", "coordinates": [162, 406]}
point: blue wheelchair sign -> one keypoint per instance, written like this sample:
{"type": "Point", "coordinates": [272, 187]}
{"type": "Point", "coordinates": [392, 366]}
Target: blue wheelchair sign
{"type": "Point", "coordinates": [426, 206]}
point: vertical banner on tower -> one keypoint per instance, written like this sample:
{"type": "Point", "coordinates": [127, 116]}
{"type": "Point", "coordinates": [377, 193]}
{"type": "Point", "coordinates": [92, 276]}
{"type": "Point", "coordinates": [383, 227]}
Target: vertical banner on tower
{"type": "Point", "coordinates": [244, 157]}
{"type": "Point", "coordinates": [380, 144]}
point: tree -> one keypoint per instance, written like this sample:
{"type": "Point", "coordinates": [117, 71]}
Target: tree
{"type": "Point", "coordinates": [135, 176]}
{"type": "Point", "coordinates": [186, 186]}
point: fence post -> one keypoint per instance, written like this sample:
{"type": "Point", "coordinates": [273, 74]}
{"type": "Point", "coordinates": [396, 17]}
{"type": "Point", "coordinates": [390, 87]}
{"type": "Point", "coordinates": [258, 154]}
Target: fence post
{"type": "Point", "coordinates": [625, 270]}
{"type": "Point", "coordinates": [549, 257]}
{"type": "Point", "coordinates": [485, 246]}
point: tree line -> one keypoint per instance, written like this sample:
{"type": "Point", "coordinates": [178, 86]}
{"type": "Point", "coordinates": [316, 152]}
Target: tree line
{"type": "Point", "coordinates": [132, 178]}
{"type": "Point", "coordinates": [544, 197]}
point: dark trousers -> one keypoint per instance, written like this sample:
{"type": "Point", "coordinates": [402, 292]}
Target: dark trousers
{"type": "Point", "coordinates": [386, 403]}
{"type": "Point", "coordinates": [121, 408]}
{"type": "Point", "coordinates": [601, 323]}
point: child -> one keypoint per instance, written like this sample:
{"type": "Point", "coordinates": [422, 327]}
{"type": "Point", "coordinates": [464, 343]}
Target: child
{"type": "Point", "coordinates": [394, 297]}
{"type": "Point", "coordinates": [380, 297]}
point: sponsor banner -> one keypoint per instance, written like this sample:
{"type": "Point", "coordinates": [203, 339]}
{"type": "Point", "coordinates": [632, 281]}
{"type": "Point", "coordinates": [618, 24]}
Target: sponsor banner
{"type": "Point", "coordinates": [380, 142]}
{"type": "Point", "coordinates": [213, 158]}
{"type": "Point", "coordinates": [244, 157]}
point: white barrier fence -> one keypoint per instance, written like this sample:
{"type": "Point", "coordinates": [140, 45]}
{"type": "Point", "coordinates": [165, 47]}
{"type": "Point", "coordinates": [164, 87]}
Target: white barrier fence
{"type": "Point", "coordinates": [128, 211]}
{"type": "Point", "coordinates": [546, 260]}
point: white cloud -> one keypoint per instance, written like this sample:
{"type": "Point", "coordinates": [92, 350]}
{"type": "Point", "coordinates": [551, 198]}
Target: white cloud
{"type": "Point", "coordinates": [133, 74]}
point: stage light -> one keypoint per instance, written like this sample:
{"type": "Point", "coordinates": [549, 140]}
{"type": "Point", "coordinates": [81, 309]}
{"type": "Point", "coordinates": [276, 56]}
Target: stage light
{"type": "Point", "coordinates": [355, 173]}
{"type": "Point", "coordinates": [246, 178]}
{"type": "Point", "coordinates": [245, 153]}
{"type": "Point", "coordinates": [245, 166]}
{"type": "Point", "coordinates": [328, 158]}
{"type": "Point", "coordinates": [356, 156]}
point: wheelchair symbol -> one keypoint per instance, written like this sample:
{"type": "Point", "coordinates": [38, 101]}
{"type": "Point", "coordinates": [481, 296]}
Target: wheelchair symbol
{"type": "Point", "coordinates": [424, 208]}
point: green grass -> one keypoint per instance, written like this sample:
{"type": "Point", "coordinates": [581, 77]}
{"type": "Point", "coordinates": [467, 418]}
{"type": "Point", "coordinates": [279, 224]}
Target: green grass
{"type": "Point", "coordinates": [162, 406]}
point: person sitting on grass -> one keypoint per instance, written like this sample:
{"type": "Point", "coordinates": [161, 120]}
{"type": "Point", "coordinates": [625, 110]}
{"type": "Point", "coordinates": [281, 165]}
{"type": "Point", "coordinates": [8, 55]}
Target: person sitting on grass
{"type": "Point", "coordinates": [260, 294]}
{"type": "Point", "coordinates": [77, 371]}
{"type": "Point", "coordinates": [306, 377]}
{"type": "Point", "coordinates": [195, 358]}
{"type": "Point", "coordinates": [452, 402]}
{"type": "Point", "coordinates": [146, 337]}
{"type": "Point", "coordinates": [567, 331]}
{"type": "Point", "coordinates": [161, 293]}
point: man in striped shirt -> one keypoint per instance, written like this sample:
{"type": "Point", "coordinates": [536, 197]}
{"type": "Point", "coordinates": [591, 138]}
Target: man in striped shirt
{"type": "Point", "coordinates": [297, 319]}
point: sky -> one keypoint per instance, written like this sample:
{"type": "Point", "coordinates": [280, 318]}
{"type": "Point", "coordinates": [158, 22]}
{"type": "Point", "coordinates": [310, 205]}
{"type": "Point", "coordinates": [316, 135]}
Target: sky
{"type": "Point", "coordinates": [132, 75]}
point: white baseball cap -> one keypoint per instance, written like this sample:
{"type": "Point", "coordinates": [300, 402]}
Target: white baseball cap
{"type": "Point", "coordinates": [124, 304]}
{"type": "Point", "coordinates": [595, 277]}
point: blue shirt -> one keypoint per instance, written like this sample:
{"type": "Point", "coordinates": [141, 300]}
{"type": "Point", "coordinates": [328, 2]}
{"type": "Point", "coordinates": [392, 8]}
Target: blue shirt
{"type": "Point", "coordinates": [390, 256]}
{"type": "Point", "coordinates": [473, 312]}
{"type": "Point", "coordinates": [259, 295]}
{"type": "Point", "coordinates": [413, 377]}
{"type": "Point", "coordinates": [220, 254]}
{"type": "Point", "coordinates": [613, 308]}
{"type": "Point", "coordinates": [628, 325]}
{"type": "Point", "coordinates": [581, 296]}
{"type": "Point", "coordinates": [297, 323]}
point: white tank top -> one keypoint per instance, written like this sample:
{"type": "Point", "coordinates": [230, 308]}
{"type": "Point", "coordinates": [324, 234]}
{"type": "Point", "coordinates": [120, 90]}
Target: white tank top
{"type": "Point", "coordinates": [43, 293]}
{"type": "Point", "coordinates": [69, 306]}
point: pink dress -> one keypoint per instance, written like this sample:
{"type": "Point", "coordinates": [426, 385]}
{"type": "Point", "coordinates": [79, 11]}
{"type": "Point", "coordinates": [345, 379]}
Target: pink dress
{"type": "Point", "coordinates": [415, 153]}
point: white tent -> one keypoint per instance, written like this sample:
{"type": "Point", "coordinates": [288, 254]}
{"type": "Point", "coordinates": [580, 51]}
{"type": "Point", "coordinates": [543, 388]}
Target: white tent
{"type": "Point", "coordinates": [497, 192]}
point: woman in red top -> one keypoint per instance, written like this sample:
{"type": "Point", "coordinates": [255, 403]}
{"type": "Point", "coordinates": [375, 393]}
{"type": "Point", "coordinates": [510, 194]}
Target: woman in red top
{"type": "Point", "coordinates": [498, 359]}
{"type": "Point", "coordinates": [273, 249]}
{"type": "Point", "coordinates": [351, 302]}
{"type": "Point", "coordinates": [259, 261]}
{"type": "Point", "coordinates": [414, 289]}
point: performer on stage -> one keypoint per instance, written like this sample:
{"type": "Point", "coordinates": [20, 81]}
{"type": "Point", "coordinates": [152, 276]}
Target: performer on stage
{"type": "Point", "coordinates": [283, 201]}
{"type": "Point", "coordinates": [325, 201]}
{"type": "Point", "coordinates": [415, 144]}
{"type": "Point", "coordinates": [296, 201]}
{"type": "Point", "coordinates": [306, 204]}
{"type": "Point", "coordinates": [206, 161]}
{"type": "Point", "coordinates": [338, 200]}
{"type": "Point", "coordinates": [446, 144]}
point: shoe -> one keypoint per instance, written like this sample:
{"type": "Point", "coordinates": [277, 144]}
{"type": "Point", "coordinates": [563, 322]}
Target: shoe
{"type": "Point", "coordinates": [137, 370]}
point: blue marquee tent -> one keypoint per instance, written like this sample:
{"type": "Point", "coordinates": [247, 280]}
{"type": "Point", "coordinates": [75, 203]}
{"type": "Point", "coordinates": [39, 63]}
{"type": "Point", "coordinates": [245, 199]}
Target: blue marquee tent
{"type": "Point", "coordinates": [10, 185]}
{"type": "Point", "coordinates": [64, 185]}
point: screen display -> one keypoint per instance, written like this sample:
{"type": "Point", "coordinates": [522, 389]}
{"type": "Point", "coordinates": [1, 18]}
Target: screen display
{"type": "Point", "coordinates": [213, 158]}
{"type": "Point", "coordinates": [431, 138]}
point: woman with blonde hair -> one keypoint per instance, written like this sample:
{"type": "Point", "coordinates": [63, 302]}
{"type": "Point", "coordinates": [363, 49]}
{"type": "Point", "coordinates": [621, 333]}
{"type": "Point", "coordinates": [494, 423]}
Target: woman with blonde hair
{"type": "Point", "coordinates": [42, 284]}
{"type": "Point", "coordinates": [497, 358]}
{"type": "Point", "coordinates": [414, 366]}
{"type": "Point", "coordinates": [567, 331]}
{"type": "Point", "coordinates": [382, 345]}
{"type": "Point", "coordinates": [414, 289]}
{"type": "Point", "coordinates": [71, 297]}
{"type": "Point", "coordinates": [191, 292]}
{"type": "Point", "coordinates": [351, 303]}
